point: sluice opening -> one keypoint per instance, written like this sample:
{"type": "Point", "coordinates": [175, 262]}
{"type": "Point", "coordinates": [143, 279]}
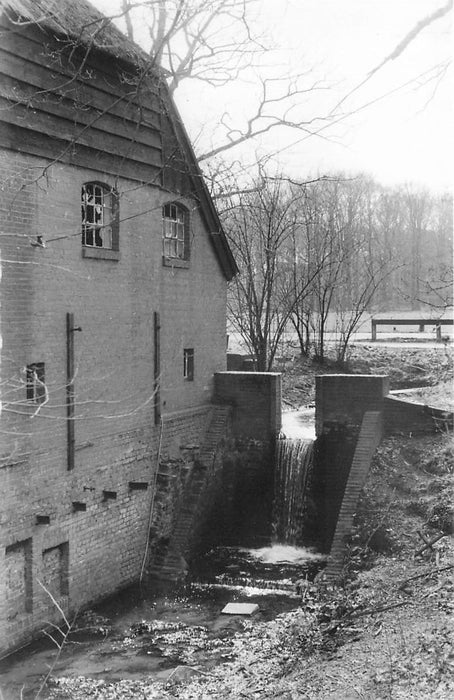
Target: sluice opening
{"type": "Point", "coordinates": [268, 547]}
{"type": "Point", "coordinates": [292, 505]}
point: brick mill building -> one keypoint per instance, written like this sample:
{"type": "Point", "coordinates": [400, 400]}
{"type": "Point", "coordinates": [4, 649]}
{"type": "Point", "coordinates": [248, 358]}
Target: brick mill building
{"type": "Point", "coordinates": [114, 269]}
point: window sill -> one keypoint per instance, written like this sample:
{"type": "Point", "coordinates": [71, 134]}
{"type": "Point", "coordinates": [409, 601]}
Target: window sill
{"type": "Point", "coordinates": [100, 253]}
{"type": "Point", "coordinates": [175, 262]}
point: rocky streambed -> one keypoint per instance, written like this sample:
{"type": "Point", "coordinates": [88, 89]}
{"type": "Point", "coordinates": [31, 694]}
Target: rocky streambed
{"type": "Point", "coordinates": [164, 633]}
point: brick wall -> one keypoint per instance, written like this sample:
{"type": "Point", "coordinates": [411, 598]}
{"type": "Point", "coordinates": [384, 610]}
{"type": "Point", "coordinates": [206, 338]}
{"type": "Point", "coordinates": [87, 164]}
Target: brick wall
{"type": "Point", "coordinates": [97, 547]}
{"type": "Point", "coordinates": [369, 438]}
{"type": "Point", "coordinates": [19, 590]}
{"type": "Point", "coordinates": [256, 401]}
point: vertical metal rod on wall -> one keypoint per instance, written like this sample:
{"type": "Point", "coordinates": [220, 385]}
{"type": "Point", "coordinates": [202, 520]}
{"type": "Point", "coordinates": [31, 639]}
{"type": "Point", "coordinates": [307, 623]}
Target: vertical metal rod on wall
{"type": "Point", "coordinates": [157, 367]}
{"type": "Point", "coordinates": [70, 389]}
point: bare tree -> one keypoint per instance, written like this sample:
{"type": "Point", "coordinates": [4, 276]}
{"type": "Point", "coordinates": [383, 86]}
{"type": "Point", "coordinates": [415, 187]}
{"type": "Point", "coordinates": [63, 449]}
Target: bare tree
{"type": "Point", "coordinates": [209, 40]}
{"type": "Point", "coordinates": [325, 227]}
{"type": "Point", "coordinates": [310, 257]}
{"type": "Point", "coordinates": [216, 42]}
{"type": "Point", "coordinates": [258, 226]}
{"type": "Point", "coordinates": [432, 73]}
{"type": "Point", "coordinates": [388, 225]}
{"type": "Point", "coordinates": [277, 266]}
{"type": "Point", "coordinates": [346, 257]}
{"type": "Point", "coordinates": [436, 269]}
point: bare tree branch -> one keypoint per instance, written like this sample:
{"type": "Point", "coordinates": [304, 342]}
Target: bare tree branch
{"type": "Point", "coordinates": [401, 47]}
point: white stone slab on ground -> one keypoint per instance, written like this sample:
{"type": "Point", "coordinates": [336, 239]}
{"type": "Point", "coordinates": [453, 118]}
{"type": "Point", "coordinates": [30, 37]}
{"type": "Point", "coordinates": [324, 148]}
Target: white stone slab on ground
{"type": "Point", "coordinates": [240, 609]}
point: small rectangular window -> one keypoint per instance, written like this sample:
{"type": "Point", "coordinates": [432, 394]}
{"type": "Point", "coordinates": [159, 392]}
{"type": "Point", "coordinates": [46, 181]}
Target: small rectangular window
{"type": "Point", "coordinates": [36, 386]}
{"type": "Point", "coordinates": [188, 364]}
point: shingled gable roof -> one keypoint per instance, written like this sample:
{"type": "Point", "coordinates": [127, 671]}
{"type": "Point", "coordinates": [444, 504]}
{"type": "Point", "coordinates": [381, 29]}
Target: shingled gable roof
{"type": "Point", "coordinates": [81, 22]}
{"type": "Point", "coordinates": [78, 20]}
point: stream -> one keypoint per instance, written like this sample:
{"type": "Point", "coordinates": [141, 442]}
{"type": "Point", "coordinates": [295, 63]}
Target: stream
{"type": "Point", "coordinates": [152, 633]}
{"type": "Point", "coordinates": [163, 629]}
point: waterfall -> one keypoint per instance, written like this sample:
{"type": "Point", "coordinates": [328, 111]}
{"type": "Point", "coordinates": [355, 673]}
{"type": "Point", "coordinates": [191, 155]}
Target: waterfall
{"type": "Point", "coordinates": [293, 471]}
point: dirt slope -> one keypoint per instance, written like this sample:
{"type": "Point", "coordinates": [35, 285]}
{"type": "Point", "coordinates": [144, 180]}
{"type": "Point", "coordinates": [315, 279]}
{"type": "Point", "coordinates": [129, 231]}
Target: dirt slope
{"type": "Point", "coordinates": [407, 368]}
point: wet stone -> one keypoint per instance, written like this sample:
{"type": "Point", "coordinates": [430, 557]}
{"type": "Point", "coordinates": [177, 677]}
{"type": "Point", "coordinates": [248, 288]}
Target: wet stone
{"type": "Point", "coordinates": [240, 609]}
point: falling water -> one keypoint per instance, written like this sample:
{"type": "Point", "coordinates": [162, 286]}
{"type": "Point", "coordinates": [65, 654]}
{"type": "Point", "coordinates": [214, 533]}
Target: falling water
{"type": "Point", "coordinates": [294, 459]}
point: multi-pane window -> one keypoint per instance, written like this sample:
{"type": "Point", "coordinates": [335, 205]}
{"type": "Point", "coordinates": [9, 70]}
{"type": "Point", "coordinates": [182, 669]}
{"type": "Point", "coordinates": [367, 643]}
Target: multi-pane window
{"type": "Point", "coordinates": [99, 216]}
{"type": "Point", "coordinates": [188, 364]}
{"type": "Point", "coordinates": [35, 382]}
{"type": "Point", "coordinates": [175, 232]}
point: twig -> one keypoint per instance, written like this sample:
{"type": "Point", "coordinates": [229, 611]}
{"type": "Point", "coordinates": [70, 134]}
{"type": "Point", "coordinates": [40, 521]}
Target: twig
{"type": "Point", "coordinates": [48, 634]}
{"type": "Point", "coordinates": [426, 573]}
{"type": "Point", "coordinates": [60, 610]}
{"type": "Point", "coordinates": [59, 645]}
{"type": "Point", "coordinates": [428, 543]}
{"type": "Point", "coordinates": [374, 611]}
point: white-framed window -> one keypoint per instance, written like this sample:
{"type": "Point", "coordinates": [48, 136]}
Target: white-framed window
{"type": "Point", "coordinates": [99, 210]}
{"type": "Point", "coordinates": [175, 231]}
{"type": "Point", "coordinates": [188, 364]}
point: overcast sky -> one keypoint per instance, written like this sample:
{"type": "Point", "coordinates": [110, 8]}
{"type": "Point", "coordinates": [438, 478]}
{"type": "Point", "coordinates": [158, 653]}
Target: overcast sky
{"type": "Point", "coordinates": [404, 137]}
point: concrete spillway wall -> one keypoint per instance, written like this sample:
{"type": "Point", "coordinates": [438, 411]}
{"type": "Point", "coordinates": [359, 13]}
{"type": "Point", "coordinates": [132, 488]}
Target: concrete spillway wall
{"type": "Point", "coordinates": [342, 400]}
{"type": "Point", "coordinates": [411, 418]}
{"type": "Point", "coordinates": [255, 398]}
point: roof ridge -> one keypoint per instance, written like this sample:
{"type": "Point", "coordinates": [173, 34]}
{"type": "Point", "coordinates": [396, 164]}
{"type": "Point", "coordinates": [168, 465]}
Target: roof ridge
{"type": "Point", "coordinates": [81, 21]}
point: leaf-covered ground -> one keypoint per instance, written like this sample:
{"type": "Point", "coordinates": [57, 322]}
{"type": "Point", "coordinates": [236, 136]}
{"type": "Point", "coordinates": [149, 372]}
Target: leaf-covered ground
{"type": "Point", "coordinates": [407, 367]}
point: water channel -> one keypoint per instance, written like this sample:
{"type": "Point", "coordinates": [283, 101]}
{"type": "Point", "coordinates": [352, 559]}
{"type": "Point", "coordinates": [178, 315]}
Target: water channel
{"type": "Point", "coordinates": [157, 629]}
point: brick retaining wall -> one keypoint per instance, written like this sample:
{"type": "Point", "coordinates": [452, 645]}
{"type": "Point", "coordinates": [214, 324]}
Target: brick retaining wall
{"type": "Point", "coordinates": [368, 440]}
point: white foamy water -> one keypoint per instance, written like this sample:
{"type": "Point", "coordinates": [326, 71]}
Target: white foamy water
{"type": "Point", "coordinates": [299, 424]}
{"type": "Point", "coordinates": [292, 478]}
{"type": "Point", "coordinates": [288, 591]}
{"type": "Point", "coordinates": [284, 553]}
